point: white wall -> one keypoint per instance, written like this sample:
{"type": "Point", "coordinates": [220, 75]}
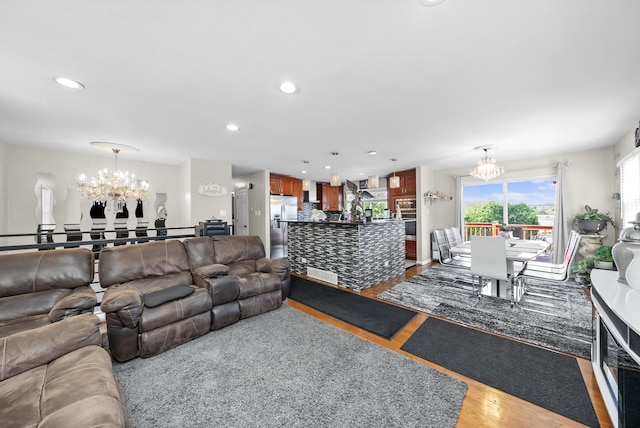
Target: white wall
{"type": "Point", "coordinates": [259, 206]}
{"type": "Point", "coordinates": [21, 167]}
{"type": "Point", "coordinates": [3, 192]}
{"type": "Point", "coordinates": [208, 207]}
{"type": "Point", "coordinates": [590, 179]}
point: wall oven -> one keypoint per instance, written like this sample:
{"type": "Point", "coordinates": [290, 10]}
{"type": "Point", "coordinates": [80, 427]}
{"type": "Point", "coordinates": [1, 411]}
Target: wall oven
{"type": "Point", "coordinates": [409, 225]}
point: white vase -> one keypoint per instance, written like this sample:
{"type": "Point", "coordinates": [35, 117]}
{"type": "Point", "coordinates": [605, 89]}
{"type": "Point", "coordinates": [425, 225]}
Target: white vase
{"type": "Point", "coordinates": [633, 270]}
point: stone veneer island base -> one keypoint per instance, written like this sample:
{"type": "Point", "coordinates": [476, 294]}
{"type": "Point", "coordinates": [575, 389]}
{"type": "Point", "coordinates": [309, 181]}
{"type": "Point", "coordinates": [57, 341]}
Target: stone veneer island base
{"type": "Point", "coordinates": [352, 255]}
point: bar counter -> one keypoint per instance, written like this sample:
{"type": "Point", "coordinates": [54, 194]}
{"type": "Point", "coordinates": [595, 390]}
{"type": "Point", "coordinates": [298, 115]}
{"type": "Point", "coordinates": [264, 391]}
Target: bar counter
{"type": "Point", "coordinates": [352, 255]}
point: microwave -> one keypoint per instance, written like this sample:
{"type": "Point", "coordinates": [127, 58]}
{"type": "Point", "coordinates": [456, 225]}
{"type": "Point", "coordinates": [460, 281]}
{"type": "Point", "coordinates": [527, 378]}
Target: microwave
{"type": "Point", "coordinates": [405, 204]}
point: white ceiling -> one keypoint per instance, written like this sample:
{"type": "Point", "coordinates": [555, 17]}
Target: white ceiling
{"type": "Point", "coordinates": [425, 85]}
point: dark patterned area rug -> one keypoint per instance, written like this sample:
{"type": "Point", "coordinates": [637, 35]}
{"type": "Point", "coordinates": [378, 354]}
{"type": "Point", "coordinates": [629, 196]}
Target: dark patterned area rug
{"type": "Point", "coordinates": [553, 315]}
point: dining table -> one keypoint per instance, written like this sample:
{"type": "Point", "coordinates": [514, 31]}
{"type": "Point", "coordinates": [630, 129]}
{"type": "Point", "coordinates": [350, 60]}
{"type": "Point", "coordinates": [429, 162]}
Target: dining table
{"type": "Point", "coordinates": [519, 252]}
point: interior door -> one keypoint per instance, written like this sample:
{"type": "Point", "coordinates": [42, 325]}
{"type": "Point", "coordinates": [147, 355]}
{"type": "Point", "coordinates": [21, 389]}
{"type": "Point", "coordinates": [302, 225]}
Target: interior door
{"type": "Point", "coordinates": [242, 212]}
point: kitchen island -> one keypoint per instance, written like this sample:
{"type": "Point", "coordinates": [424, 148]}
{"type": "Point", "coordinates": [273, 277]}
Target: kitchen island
{"type": "Point", "coordinates": [352, 255]}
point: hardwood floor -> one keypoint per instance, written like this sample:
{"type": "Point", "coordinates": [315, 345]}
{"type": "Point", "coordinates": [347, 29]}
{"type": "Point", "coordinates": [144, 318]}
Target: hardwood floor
{"type": "Point", "coordinates": [483, 406]}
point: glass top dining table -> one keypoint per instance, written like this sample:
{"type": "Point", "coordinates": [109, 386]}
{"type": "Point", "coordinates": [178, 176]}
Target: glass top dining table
{"type": "Point", "coordinates": [518, 250]}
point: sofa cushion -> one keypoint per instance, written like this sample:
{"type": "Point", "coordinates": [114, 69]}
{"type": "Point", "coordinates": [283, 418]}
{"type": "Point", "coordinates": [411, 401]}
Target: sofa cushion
{"type": "Point", "coordinates": [230, 249]}
{"type": "Point", "coordinates": [74, 390]}
{"type": "Point", "coordinates": [258, 283]}
{"type": "Point", "coordinates": [133, 262]}
{"type": "Point", "coordinates": [196, 303]}
{"type": "Point", "coordinates": [7, 328]}
{"type": "Point", "coordinates": [157, 298]}
{"type": "Point", "coordinates": [45, 270]}
{"type": "Point", "coordinates": [26, 305]}
{"type": "Point", "coordinates": [31, 348]}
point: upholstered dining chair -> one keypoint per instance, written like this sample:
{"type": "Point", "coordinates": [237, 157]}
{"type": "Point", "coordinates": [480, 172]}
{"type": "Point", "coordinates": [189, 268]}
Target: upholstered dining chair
{"type": "Point", "coordinates": [560, 272]}
{"type": "Point", "coordinates": [489, 262]}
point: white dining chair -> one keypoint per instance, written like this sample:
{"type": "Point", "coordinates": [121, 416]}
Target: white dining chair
{"type": "Point", "coordinates": [560, 272]}
{"type": "Point", "coordinates": [489, 262]}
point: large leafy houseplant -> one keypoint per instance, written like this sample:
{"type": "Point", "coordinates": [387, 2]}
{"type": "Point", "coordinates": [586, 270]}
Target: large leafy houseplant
{"type": "Point", "coordinates": [592, 221]}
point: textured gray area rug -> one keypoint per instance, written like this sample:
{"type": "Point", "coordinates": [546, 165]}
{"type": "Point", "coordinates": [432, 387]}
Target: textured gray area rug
{"type": "Point", "coordinates": [553, 315]}
{"type": "Point", "coordinates": [286, 369]}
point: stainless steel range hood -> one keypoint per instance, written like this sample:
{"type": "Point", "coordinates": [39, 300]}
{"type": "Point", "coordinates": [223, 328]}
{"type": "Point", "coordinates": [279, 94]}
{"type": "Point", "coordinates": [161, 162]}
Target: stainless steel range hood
{"type": "Point", "coordinates": [312, 194]}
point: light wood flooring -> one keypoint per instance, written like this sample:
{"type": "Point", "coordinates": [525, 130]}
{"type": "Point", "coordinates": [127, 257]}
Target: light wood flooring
{"type": "Point", "coordinates": [483, 406]}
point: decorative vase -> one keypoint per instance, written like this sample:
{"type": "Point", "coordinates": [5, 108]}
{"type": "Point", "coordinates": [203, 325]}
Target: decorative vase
{"type": "Point", "coordinates": [622, 255]}
{"type": "Point", "coordinates": [633, 270]}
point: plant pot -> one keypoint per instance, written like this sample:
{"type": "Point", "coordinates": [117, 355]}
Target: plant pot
{"type": "Point", "coordinates": [603, 265]}
{"type": "Point", "coordinates": [592, 226]}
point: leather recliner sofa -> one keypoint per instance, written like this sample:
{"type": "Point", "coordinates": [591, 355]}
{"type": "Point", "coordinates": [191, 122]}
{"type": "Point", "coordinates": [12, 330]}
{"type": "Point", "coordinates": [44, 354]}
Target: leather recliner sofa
{"type": "Point", "coordinates": [53, 371]}
{"type": "Point", "coordinates": [42, 287]}
{"type": "Point", "coordinates": [133, 275]}
{"type": "Point", "coordinates": [241, 280]}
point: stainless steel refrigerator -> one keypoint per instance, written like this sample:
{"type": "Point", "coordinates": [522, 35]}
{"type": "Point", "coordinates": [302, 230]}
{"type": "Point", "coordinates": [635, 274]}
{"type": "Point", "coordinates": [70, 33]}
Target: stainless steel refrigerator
{"type": "Point", "coordinates": [283, 209]}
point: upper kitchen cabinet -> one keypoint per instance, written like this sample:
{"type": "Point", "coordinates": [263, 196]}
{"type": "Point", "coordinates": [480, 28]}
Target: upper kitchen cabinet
{"type": "Point", "coordinates": [407, 186]}
{"type": "Point", "coordinates": [331, 197]}
{"type": "Point", "coordinates": [285, 185]}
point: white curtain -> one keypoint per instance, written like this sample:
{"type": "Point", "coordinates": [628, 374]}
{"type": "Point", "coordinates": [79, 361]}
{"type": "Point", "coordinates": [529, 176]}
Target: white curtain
{"type": "Point", "coordinates": [561, 227]}
{"type": "Point", "coordinates": [458, 207]}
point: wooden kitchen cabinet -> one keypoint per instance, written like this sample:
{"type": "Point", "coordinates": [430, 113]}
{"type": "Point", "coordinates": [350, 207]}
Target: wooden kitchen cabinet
{"type": "Point", "coordinates": [288, 186]}
{"type": "Point", "coordinates": [407, 186]}
{"type": "Point", "coordinates": [282, 184]}
{"type": "Point", "coordinates": [330, 197]}
{"type": "Point", "coordinates": [411, 251]}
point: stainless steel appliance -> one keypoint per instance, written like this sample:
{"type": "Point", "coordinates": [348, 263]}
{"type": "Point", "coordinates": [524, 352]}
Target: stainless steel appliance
{"type": "Point", "coordinates": [283, 209]}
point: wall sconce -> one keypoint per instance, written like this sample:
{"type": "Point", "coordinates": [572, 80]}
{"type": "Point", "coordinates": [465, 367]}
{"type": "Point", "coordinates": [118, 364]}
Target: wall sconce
{"type": "Point", "coordinates": [435, 196]}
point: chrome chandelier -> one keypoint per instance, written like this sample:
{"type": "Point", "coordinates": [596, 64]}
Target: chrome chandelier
{"type": "Point", "coordinates": [113, 187]}
{"type": "Point", "coordinates": [486, 168]}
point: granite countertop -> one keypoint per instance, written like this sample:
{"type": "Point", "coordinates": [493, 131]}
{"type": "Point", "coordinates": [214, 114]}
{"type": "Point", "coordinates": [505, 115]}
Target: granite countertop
{"type": "Point", "coordinates": [381, 221]}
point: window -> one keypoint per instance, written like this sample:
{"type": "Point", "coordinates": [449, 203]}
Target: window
{"type": "Point", "coordinates": [630, 186]}
{"type": "Point", "coordinates": [530, 203]}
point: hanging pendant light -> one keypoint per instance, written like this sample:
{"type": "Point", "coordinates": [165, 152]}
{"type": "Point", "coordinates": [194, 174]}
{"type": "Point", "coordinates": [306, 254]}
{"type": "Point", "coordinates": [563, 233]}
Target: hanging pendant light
{"type": "Point", "coordinates": [306, 185]}
{"type": "Point", "coordinates": [334, 180]}
{"type": "Point", "coordinates": [373, 181]}
{"type": "Point", "coordinates": [394, 182]}
{"type": "Point", "coordinates": [486, 168]}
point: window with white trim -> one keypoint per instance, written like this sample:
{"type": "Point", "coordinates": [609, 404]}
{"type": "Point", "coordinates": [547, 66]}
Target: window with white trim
{"type": "Point", "coordinates": [629, 187]}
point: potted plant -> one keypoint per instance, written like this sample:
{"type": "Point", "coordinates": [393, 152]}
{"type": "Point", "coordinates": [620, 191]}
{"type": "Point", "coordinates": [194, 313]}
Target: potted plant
{"type": "Point", "coordinates": [604, 258]}
{"type": "Point", "coordinates": [582, 270]}
{"type": "Point", "coordinates": [592, 221]}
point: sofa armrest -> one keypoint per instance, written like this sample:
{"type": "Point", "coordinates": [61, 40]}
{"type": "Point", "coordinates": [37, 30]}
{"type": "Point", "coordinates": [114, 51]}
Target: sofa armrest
{"type": "Point", "coordinates": [128, 303]}
{"type": "Point", "coordinates": [224, 289]}
{"type": "Point", "coordinates": [278, 266]}
{"type": "Point", "coordinates": [27, 349]}
{"type": "Point", "coordinates": [212, 271]}
{"type": "Point", "coordinates": [81, 300]}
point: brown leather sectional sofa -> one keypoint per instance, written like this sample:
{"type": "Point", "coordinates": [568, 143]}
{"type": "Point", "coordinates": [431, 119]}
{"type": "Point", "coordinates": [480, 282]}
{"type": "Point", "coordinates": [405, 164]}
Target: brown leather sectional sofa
{"type": "Point", "coordinates": [53, 371]}
{"type": "Point", "coordinates": [200, 285]}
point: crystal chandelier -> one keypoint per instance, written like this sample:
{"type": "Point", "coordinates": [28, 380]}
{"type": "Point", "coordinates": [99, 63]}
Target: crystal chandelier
{"type": "Point", "coordinates": [113, 187]}
{"type": "Point", "coordinates": [487, 168]}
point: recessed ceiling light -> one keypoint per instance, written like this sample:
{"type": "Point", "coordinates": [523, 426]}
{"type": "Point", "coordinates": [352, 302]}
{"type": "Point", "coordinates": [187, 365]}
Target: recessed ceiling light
{"type": "Point", "coordinates": [232, 127]}
{"type": "Point", "coordinates": [303, 172]}
{"type": "Point", "coordinates": [69, 83]}
{"type": "Point", "coordinates": [327, 167]}
{"type": "Point", "coordinates": [361, 173]}
{"type": "Point", "coordinates": [372, 152]}
{"type": "Point", "coordinates": [430, 2]}
{"type": "Point", "coordinates": [288, 87]}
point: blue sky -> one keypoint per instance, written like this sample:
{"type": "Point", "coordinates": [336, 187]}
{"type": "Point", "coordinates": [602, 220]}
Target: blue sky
{"type": "Point", "coordinates": [536, 192]}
